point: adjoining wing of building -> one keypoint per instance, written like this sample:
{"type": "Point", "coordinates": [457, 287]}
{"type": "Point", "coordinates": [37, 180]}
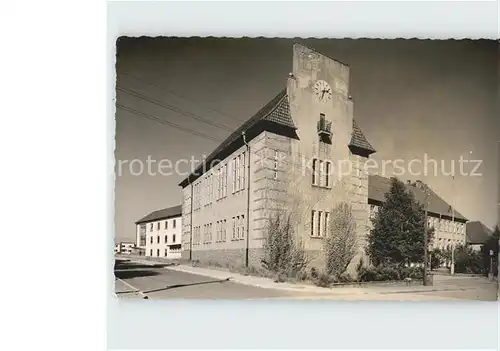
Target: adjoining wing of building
{"type": "Point", "coordinates": [449, 225]}
{"type": "Point", "coordinates": [159, 233]}
{"type": "Point", "coordinates": [477, 234]}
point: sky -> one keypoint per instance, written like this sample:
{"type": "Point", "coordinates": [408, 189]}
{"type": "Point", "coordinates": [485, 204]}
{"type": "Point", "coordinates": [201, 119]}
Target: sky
{"type": "Point", "coordinates": [179, 97]}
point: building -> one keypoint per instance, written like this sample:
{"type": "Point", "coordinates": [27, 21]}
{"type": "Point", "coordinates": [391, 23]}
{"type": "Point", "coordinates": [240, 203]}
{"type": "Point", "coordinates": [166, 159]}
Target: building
{"type": "Point", "coordinates": [477, 234]}
{"type": "Point", "coordinates": [449, 225]}
{"type": "Point", "coordinates": [281, 158]}
{"type": "Point", "coordinates": [124, 247]}
{"type": "Point", "coordinates": [159, 233]}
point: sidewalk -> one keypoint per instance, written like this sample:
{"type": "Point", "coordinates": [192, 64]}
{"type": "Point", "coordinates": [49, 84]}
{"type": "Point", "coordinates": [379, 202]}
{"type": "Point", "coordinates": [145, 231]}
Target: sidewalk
{"type": "Point", "coordinates": [267, 283]}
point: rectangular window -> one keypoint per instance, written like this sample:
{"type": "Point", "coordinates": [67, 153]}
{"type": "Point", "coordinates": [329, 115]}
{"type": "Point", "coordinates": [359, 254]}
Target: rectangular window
{"type": "Point", "coordinates": [151, 227]}
{"type": "Point", "coordinates": [166, 224]}
{"type": "Point", "coordinates": [157, 252]}
{"type": "Point", "coordinates": [158, 239]}
{"type": "Point", "coordinates": [313, 215]}
{"type": "Point", "coordinates": [318, 233]}
{"type": "Point", "coordinates": [234, 229]}
{"type": "Point", "coordinates": [150, 252]}
{"type": "Point", "coordinates": [166, 250]}
{"type": "Point", "coordinates": [326, 226]}
{"type": "Point", "coordinates": [275, 165]}
{"type": "Point", "coordinates": [158, 226]}
{"type": "Point", "coordinates": [237, 227]}
{"type": "Point", "coordinates": [243, 173]}
{"type": "Point", "coordinates": [224, 231]}
{"type": "Point", "coordinates": [238, 173]}
{"type": "Point", "coordinates": [242, 231]}
{"type": "Point", "coordinates": [173, 238]}
{"type": "Point", "coordinates": [166, 239]}
{"type": "Point", "coordinates": [233, 168]}
{"type": "Point", "coordinates": [327, 175]}
{"type": "Point", "coordinates": [314, 180]}
{"type": "Point", "coordinates": [173, 224]}
{"type": "Point", "coordinates": [151, 240]}
{"type": "Point", "coordinates": [224, 182]}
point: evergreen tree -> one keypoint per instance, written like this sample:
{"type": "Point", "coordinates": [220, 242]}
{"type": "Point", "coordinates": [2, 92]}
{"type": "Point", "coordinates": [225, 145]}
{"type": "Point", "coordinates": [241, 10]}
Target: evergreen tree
{"type": "Point", "coordinates": [398, 228]}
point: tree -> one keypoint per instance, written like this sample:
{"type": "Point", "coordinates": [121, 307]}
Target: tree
{"type": "Point", "coordinates": [398, 228]}
{"type": "Point", "coordinates": [491, 244]}
{"type": "Point", "coordinates": [437, 258]}
{"type": "Point", "coordinates": [468, 261]}
{"type": "Point", "coordinates": [340, 244]}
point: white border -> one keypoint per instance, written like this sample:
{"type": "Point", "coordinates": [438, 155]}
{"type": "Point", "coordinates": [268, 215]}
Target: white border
{"type": "Point", "coordinates": [312, 324]}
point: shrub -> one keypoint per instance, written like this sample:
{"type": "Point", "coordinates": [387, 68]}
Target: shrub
{"type": "Point", "coordinates": [468, 261]}
{"type": "Point", "coordinates": [390, 273]}
{"type": "Point", "coordinates": [324, 280]}
{"type": "Point", "coordinates": [284, 253]}
{"type": "Point", "coordinates": [314, 273]}
{"type": "Point", "coordinates": [340, 243]}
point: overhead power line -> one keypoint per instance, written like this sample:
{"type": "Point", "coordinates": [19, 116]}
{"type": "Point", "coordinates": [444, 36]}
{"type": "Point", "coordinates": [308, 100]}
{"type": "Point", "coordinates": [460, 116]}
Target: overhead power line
{"type": "Point", "coordinates": [162, 121]}
{"type": "Point", "coordinates": [181, 96]}
{"type": "Point", "coordinates": [174, 108]}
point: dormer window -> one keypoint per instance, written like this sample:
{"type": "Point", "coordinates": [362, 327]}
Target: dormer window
{"type": "Point", "coordinates": [324, 128]}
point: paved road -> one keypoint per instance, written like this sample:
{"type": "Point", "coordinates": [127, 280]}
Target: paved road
{"type": "Point", "coordinates": [159, 282]}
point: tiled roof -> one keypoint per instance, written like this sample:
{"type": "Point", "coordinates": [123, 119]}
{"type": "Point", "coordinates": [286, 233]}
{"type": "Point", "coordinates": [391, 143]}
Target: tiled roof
{"type": "Point", "coordinates": [277, 113]}
{"type": "Point", "coordinates": [477, 233]}
{"type": "Point", "coordinates": [165, 213]}
{"type": "Point", "coordinates": [378, 186]}
{"type": "Point", "coordinates": [358, 139]}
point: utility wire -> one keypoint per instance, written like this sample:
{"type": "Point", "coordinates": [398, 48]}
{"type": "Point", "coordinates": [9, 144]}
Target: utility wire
{"type": "Point", "coordinates": [174, 108]}
{"type": "Point", "coordinates": [162, 121]}
{"type": "Point", "coordinates": [180, 96]}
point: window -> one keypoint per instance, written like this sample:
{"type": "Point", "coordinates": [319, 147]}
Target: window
{"type": "Point", "coordinates": [166, 224]}
{"type": "Point", "coordinates": [327, 174]}
{"type": "Point", "coordinates": [318, 233]}
{"type": "Point", "coordinates": [313, 215]}
{"type": "Point", "coordinates": [314, 180]}
{"type": "Point", "coordinates": [158, 239]}
{"type": "Point", "coordinates": [240, 229]}
{"type": "Point", "coordinates": [321, 180]}
{"type": "Point", "coordinates": [173, 224]}
{"type": "Point", "coordinates": [243, 173]}
{"type": "Point", "coordinates": [157, 252]}
{"type": "Point", "coordinates": [151, 240]}
{"type": "Point", "coordinates": [224, 231]}
{"type": "Point", "coordinates": [238, 173]}
{"type": "Point", "coordinates": [166, 239]}
{"type": "Point", "coordinates": [210, 233]}
{"type": "Point", "coordinates": [173, 238]}
{"type": "Point", "coordinates": [233, 166]}
{"type": "Point", "coordinates": [158, 226]}
{"type": "Point", "coordinates": [166, 252]}
{"type": "Point", "coordinates": [234, 228]}
{"type": "Point", "coordinates": [150, 252]}
{"type": "Point", "coordinates": [275, 165]}
{"type": "Point", "coordinates": [224, 181]}
{"type": "Point", "coordinates": [151, 227]}
{"type": "Point", "coordinates": [325, 227]}
{"type": "Point", "coordinates": [237, 227]}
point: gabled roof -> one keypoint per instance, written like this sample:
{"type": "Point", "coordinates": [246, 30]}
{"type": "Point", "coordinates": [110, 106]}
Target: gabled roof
{"type": "Point", "coordinates": [165, 213]}
{"type": "Point", "coordinates": [275, 116]}
{"type": "Point", "coordinates": [477, 233]}
{"type": "Point", "coordinates": [378, 186]}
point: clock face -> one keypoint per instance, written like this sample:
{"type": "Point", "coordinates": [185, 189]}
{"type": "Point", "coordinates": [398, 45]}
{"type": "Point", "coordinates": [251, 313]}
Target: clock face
{"type": "Point", "coordinates": [322, 91]}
